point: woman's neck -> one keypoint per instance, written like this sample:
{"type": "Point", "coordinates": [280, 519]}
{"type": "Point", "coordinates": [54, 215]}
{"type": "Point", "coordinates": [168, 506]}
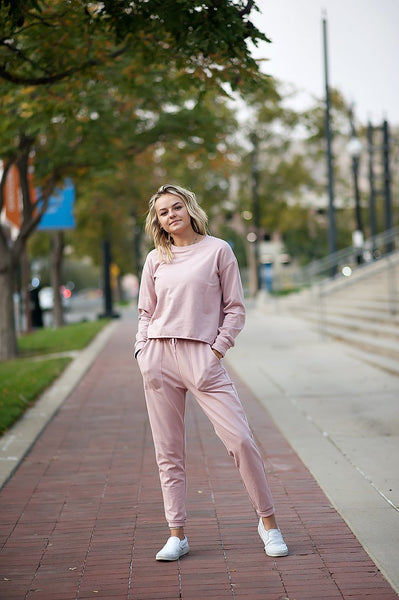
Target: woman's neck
{"type": "Point", "coordinates": [187, 240]}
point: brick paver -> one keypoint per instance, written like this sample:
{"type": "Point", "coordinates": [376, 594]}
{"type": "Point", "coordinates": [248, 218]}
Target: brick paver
{"type": "Point", "coordinates": [82, 517]}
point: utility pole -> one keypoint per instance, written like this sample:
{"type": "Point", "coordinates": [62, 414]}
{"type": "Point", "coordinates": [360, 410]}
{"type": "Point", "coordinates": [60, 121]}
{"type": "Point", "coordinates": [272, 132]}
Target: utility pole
{"type": "Point", "coordinates": [255, 202]}
{"type": "Point", "coordinates": [373, 220]}
{"type": "Point", "coordinates": [387, 183]}
{"type": "Point", "coordinates": [332, 244]}
{"type": "Point", "coordinates": [355, 149]}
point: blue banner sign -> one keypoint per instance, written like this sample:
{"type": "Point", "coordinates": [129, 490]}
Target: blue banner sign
{"type": "Point", "coordinates": [59, 213]}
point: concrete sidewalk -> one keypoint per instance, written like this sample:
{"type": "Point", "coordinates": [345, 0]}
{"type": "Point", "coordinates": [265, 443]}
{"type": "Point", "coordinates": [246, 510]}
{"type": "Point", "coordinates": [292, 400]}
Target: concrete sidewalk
{"type": "Point", "coordinates": [340, 415]}
{"type": "Point", "coordinates": [82, 515]}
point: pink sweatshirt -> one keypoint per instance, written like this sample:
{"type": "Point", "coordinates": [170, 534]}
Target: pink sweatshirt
{"type": "Point", "coordinates": [198, 296]}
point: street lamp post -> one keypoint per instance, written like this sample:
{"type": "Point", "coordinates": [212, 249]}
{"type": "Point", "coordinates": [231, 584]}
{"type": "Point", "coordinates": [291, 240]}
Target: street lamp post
{"type": "Point", "coordinates": [373, 220]}
{"type": "Point", "coordinates": [255, 203]}
{"type": "Point", "coordinates": [387, 183]}
{"type": "Point", "coordinates": [332, 241]}
{"type": "Point", "coordinates": [107, 292]}
{"type": "Point", "coordinates": [136, 232]}
{"type": "Point", "coordinates": [354, 148]}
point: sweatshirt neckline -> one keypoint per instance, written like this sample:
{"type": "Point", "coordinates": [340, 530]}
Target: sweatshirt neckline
{"type": "Point", "coordinates": [190, 246]}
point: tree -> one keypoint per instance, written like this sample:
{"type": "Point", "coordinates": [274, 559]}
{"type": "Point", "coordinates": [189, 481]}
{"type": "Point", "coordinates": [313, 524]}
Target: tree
{"type": "Point", "coordinates": [208, 38]}
{"type": "Point", "coordinates": [85, 86]}
{"type": "Point", "coordinates": [292, 179]}
{"type": "Point", "coordinates": [272, 172]}
{"type": "Point", "coordinates": [199, 161]}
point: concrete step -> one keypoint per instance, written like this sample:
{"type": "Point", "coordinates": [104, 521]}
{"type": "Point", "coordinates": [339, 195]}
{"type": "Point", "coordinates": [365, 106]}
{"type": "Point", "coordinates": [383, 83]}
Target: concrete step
{"type": "Point", "coordinates": [371, 343]}
{"type": "Point", "coordinates": [369, 322]}
{"type": "Point", "coordinates": [384, 363]}
{"type": "Point", "coordinates": [384, 305]}
{"type": "Point", "coordinates": [364, 313]}
{"type": "Point", "coordinates": [379, 303]}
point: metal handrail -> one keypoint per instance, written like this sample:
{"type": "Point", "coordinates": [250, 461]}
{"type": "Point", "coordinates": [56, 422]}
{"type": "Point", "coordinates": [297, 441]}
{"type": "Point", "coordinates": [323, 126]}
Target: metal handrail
{"type": "Point", "coordinates": [330, 267]}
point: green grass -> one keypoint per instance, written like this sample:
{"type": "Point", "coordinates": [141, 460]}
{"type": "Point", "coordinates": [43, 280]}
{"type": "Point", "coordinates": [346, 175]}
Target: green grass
{"type": "Point", "coordinates": [286, 291]}
{"type": "Point", "coordinates": [23, 380]}
{"type": "Point", "coordinates": [70, 337]}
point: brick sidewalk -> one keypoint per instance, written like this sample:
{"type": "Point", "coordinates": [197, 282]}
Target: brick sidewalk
{"type": "Point", "coordinates": [82, 517]}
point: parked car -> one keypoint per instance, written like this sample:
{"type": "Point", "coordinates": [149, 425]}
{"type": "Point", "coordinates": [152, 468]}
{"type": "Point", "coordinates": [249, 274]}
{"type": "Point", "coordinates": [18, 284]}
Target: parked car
{"type": "Point", "coordinates": [46, 298]}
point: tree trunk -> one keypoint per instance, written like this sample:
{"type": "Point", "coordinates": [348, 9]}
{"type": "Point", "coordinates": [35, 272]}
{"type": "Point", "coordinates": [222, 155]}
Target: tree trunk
{"type": "Point", "coordinates": [11, 250]}
{"type": "Point", "coordinates": [8, 336]}
{"type": "Point", "coordinates": [56, 274]}
{"type": "Point", "coordinates": [25, 289]}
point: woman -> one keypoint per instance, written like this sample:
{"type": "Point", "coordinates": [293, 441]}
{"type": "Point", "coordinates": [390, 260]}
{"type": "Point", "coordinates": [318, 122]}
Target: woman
{"type": "Point", "coordinates": [191, 307]}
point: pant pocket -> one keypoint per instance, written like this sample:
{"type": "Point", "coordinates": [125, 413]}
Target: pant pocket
{"type": "Point", "coordinates": [149, 361]}
{"type": "Point", "coordinates": [208, 371]}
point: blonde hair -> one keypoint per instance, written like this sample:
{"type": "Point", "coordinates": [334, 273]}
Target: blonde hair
{"type": "Point", "coordinates": [162, 240]}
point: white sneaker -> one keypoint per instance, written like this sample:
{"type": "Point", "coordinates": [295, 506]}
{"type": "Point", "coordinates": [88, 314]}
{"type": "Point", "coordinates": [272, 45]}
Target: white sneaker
{"type": "Point", "coordinates": [173, 549]}
{"type": "Point", "coordinates": [273, 540]}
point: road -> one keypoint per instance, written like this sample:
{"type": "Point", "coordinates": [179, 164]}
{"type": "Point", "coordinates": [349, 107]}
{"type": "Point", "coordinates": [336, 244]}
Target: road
{"type": "Point", "coordinates": [82, 306]}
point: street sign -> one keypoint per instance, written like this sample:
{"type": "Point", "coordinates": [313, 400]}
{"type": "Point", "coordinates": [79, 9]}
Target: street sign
{"type": "Point", "coordinates": [59, 213]}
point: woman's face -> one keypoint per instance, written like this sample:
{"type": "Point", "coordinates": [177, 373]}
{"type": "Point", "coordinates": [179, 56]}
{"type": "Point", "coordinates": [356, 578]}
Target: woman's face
{"type": "Point", "coordinates": [172, 214]}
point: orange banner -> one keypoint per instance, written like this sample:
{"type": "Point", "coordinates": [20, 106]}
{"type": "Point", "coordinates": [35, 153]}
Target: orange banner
{"type": "Point", "coordinates": [12, 197]}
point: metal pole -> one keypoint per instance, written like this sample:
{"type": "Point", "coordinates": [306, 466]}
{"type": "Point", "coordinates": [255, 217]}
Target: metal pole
{"type": "Point", "coordinates": [106, 250]}
{"type": "Point", "coordinates": [373, 223]}
{"type": "Point", "coordinates": [255, 202]}
{"type": "Point", "coordinates": [387, 183]}
{"type": "Point", "coordinates": [355, 168]}
{"type": "Point", "coordinates": [331, 214]}
{"type": "Point", "coordinates": [355, 171]}
{"type": "Point", "coordinates": [358, 210]}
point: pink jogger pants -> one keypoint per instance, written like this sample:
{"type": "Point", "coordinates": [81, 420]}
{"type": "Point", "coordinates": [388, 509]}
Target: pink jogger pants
{"type": "Point", "coordinates": [170, 368]}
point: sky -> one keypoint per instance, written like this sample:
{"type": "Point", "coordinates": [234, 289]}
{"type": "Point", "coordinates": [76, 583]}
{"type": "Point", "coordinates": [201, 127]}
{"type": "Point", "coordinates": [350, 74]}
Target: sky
{"type": "Point", "coordinates": [363, 51]}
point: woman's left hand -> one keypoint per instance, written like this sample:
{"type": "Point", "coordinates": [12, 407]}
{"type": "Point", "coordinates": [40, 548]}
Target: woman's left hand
{"type": "Point", "coordinates": [217, 353]}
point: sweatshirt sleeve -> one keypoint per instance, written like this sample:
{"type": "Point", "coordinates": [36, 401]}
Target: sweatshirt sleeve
{"type": "Point", "coordinates": [233, 309]}
{"type": "Point", "coordinates": [146, 303]}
